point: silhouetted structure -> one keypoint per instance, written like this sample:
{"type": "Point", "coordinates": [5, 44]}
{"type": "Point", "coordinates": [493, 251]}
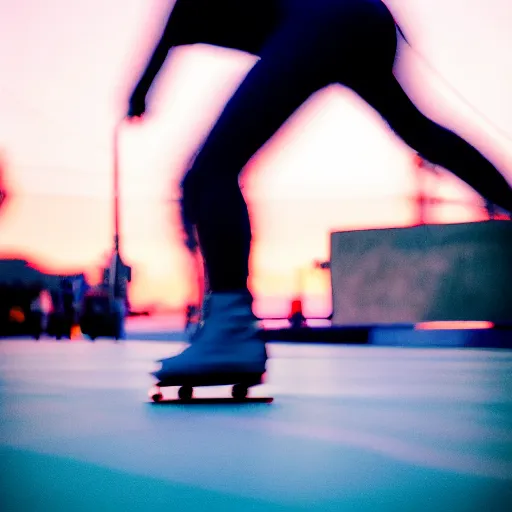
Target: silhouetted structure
{"type": "Point", "coordinates": [21, 284]}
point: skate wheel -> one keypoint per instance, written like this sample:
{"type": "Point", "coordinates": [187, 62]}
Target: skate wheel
{"type": "Point", "coordinates": [239, 392]}
{"type": "Point", "coordinates": [185, 392]}
{"type": "Point", "coordinates": [155, 394]}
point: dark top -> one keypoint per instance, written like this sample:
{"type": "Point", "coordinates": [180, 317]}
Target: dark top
{"type": "Point", "coordinates": [239, 24]}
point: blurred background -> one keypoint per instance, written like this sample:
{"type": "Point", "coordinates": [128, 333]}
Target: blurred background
{"type": "Point", "coordinates": [67, 71]}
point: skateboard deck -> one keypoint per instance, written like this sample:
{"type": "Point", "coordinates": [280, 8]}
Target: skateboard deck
{"type": "Point", "coordinates": [215, 401]}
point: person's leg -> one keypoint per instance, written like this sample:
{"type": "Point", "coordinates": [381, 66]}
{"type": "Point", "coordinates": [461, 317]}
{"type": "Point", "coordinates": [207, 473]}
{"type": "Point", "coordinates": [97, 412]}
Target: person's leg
{"type": "Point", "coordinates": [376, 84]}
{"type": "Point", "coordinates": [290, 70]}
{"type": "Point", "coordinates": [437, 144]}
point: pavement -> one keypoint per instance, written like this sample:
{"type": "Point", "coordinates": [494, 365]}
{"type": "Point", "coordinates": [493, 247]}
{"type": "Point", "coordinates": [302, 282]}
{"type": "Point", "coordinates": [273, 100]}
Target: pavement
{"type": "Point", "coordinates": [351, 428]}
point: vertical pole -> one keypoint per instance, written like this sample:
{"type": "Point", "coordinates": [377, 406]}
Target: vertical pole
{"type": "Point", "coordinates": [114, 270]}
{"type": "Point", "coordinates": [116, 188]}
{"type": "Point", "coordinates": [420, 195]}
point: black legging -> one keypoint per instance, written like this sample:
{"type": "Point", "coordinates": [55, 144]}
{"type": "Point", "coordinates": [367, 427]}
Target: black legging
{"type": "Point", "coordinates": [351, 42]}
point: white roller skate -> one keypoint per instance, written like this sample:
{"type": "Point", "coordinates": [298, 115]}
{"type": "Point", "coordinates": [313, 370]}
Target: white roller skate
{"type": "Point", "coordinates": [225, 350]}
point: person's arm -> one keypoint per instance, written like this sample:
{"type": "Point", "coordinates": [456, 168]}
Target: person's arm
{"type": "Point", "coordinates": [184, 26]}
{"type": "Point", "coordinates": [152, 69]}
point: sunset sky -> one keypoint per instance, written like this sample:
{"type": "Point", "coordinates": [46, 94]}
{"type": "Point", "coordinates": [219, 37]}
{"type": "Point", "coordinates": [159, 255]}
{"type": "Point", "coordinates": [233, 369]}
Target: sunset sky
{"type": "Point", "coordinates": [66, 70]}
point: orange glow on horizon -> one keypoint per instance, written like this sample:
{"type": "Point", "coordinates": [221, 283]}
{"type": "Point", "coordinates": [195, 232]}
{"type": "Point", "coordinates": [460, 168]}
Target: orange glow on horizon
{"type": "Point", "coordinates": [453, 325]}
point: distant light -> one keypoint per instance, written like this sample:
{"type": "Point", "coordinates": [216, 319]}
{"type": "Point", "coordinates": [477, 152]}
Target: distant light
{"type": "Point", "coordinates": [460, 325]}
{"type": "Point", "coordinates": [76, 333]}
{"type": "Point", "coordinates": [16, 315]}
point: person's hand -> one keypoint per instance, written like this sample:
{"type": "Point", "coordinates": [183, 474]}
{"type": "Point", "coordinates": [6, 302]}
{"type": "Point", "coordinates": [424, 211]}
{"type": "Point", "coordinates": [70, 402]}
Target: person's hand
{"type": "Point", "coordinates": [136, 106]}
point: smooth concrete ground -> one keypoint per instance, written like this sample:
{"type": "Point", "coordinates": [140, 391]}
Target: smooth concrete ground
{"type": "Point", "coordinates": [351, 428]}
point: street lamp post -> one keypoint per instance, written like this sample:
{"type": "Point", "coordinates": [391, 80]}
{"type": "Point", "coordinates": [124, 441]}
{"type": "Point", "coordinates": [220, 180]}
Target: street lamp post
{"type": "Point", "coordinates": [118, 273]}
{"type": "Point", "coordinates": [116, 188]}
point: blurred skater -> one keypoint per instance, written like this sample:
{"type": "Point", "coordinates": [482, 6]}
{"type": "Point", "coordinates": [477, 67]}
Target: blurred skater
{"type": "Point", "coordinates": [304, 46]}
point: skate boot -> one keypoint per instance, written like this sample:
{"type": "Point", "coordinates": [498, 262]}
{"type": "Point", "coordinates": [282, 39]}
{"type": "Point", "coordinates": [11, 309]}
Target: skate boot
{"type": "Point", "coordinates": [226, 349]}
{"type": "Point", "coordinates": [201, 314]}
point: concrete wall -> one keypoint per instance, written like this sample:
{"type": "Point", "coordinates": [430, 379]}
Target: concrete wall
{"type": "Point", "coordinates": [425, 273]}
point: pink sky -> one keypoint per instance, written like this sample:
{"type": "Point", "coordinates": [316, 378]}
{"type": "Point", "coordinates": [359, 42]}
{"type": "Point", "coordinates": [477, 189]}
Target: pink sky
{"type": "Point", "coordinates": [66, 69]}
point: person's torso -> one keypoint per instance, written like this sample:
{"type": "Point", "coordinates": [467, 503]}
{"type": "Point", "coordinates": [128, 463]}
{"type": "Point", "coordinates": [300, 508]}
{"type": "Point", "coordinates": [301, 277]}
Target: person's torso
{"type": "Point", "coordinates": [247, 24]}
{"type": "Point", "coordinates": [241, 24]}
